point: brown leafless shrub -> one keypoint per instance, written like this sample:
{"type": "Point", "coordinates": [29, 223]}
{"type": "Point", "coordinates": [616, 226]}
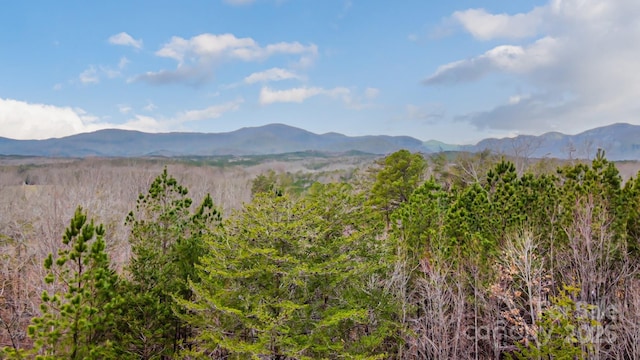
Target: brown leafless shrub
{"type": "Point", "coordinates": [607, 277]}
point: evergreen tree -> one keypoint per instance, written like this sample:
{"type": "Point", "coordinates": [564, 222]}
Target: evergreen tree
{"type": "Point", "coordinates": [265, 183]}
{"type": "Point", "coordinates": [166, 242]}
{"type": "Point", "coordinates": [289, 279]}
{"type": "Point", "coordinates": [77, 316]}
{"type": "Point", "coordinates": [400, 174]}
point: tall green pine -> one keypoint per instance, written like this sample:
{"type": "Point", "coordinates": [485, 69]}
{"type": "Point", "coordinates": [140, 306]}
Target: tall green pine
{"type": "Point", "coordinates": [77, 316]}
{"type": "Point", "coordinates": [166, 243]}
{"type": "Point", "coordinates": [290, 279]}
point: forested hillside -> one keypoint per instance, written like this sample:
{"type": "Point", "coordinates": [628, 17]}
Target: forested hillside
{"type": "Point", "coordinates": [471, 257]}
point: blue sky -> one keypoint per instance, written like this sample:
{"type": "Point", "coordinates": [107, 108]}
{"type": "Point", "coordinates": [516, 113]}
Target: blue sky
{"type": "Point", "coordinates": [455, 71]}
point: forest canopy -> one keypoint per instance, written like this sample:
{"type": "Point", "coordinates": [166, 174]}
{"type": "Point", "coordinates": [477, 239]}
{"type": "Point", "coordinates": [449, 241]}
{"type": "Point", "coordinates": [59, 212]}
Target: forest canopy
{"type": "Point", "coordinates": [412, 258]}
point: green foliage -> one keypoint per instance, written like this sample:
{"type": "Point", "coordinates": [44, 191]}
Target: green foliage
{"type": "Point", "coordinates": [324, 271]}
{"type": "Point", "coordinates": [166, 243]}
{"type": "Point", "coordinates": [631, 215]}
{"type": "Point", "coordinates": [291, 279]}
{"type": "Point", "coordinates": [264, 183]}
{"type": "Point", "coordinates": [77, 319]}
{"type": "Point", "coordinates": [565, 330]}
{"type": "Point", "coordinates": [419, 225]}
{"type": "Point", "coordinates": [281, 183]}
{"type": "Point", "coordinates": [399, 175]}
{"type": "Point", "coordinates": [601, 182]}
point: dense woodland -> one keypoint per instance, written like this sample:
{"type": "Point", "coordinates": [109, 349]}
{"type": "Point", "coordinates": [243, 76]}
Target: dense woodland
{"type": "Point", "coordinates": [467, 257]}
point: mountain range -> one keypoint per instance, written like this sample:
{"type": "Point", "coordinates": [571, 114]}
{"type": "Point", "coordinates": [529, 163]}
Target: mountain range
{"type": "Point", "coordinates": [620, 142]}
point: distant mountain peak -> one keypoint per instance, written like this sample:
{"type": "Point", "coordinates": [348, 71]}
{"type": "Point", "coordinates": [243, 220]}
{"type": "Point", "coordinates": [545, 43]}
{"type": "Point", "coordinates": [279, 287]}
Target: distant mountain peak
{"type": "Point", "coordinates": [268, 139]}
{"type": "Point", "coordinates": [620, 141]}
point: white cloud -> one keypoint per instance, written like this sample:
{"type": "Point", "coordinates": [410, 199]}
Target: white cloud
{"type": "Point", "coordinates": [506, 58]}
{"type": "Point", "coordinates": [144, 123]}
{"type": "Point", "coordinates": [89, 76]}
{"type": "Point", "coordinates": [273, 74]}
{"type": "Point", "coordinates": [197, 56]}
{"type": "Point", "coordinates": [298, 95]}
{"type": "Point", "coordinates": [212, 112]}
{"type": "Point", "coordinates": [213, 47]}
{"type": "Point", "coordinates": [126, 40]}
{"type": "Point", "coordinates": [485, 26]}
{"type": "Point", "coordinates": [575, 58]}
{"type": "Point", "coordinates": [22, 120]}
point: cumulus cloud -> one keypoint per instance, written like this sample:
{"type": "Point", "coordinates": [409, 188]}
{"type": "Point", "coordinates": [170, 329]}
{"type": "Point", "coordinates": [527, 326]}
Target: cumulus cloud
{"type": "Point", "coordinates": [485, 26]}
{"type": "Point", "coordinates": [211, 46]}
{"type": "Point", "coordinates": [22, 120]}
{"type": "Point", "coordinates": [125, 39]}
{"type": "Point", "coordinates": [273, 74]}
{"type": "Point", "coordinates": [298, 95]}
{"type": "Point", "coordinates": [197, 56]}
{"type": "Point", "coordinates": [506, 58]}
{"type": "Point", "coordinates": [574, 57]}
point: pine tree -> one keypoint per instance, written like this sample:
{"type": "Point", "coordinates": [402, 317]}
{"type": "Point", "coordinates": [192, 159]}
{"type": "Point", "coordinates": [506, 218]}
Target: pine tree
{"type": "Point", "coordinates": [77, 319]}
{"type": "Point", "coordinates": [287, 279]}
{"type": "Point", "coordinates": [399, 175]}
{"type": "Point", "coordinates": [167, 242]}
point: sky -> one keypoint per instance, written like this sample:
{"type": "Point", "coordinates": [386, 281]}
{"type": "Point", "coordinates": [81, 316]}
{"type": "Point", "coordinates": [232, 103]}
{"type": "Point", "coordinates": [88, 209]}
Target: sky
{"type": "Point", "coordinates": [453, 71]}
